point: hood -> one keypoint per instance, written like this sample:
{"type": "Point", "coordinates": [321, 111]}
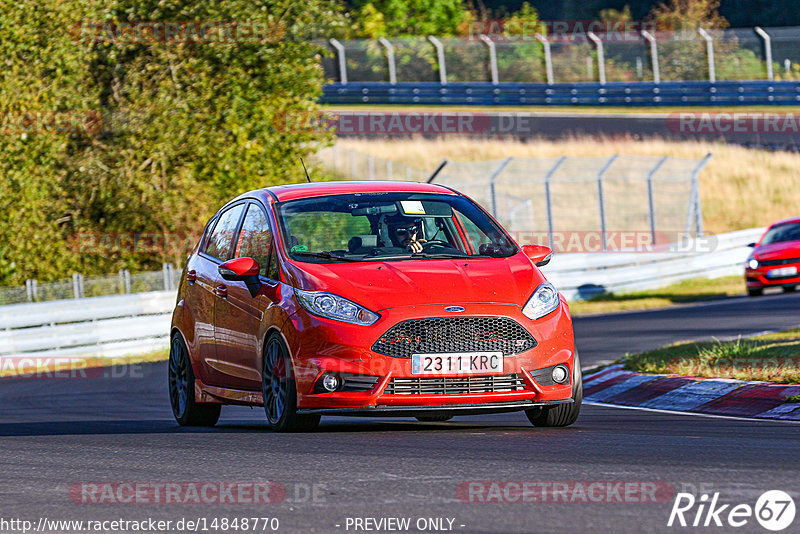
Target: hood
{"type": "Point", "coordinates": [778, 251]}
{"type": "Point", "coordinates": [391, 284]}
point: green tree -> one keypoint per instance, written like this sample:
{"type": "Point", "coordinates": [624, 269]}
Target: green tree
{"type": "Point", "coordinates": [397, 18]}
{"type": "Point", "coordinates": [186, 124]}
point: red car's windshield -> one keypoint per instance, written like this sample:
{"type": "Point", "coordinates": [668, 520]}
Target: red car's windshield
{"type": "Point", "coordinates": [782, 233]}
{"type": "Point", "coordinates": [389, 226]}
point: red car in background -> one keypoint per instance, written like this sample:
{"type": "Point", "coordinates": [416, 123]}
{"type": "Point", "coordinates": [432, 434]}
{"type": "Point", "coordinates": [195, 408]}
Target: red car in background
{"type": "Point", "coordinates": [775, 260]}
{"type": "Point", "coordinates": [376, 298]}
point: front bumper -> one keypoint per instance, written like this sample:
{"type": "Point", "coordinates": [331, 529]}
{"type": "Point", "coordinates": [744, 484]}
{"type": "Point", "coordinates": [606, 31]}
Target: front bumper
{"type": "Point", "coordinates": [758, 278]}
{"type": "Point", "coordinates": [321, 345]}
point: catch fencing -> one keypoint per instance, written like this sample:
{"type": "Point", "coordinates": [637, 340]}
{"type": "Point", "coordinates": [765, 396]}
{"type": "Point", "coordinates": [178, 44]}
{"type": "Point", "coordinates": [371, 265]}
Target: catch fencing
{"type": "Point", "coordinates": [572, 204]}
{"type": "Point", "coordinates": [536, 57]}
{"type": "Point", "coordinates": [80, 286]}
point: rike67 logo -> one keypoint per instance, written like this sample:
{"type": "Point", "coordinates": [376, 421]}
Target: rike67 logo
{"type": "Point", "coordinates": [774, 510]}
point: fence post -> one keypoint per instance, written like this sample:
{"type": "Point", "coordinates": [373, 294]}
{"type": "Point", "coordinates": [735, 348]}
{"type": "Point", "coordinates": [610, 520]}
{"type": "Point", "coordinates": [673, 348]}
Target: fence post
{"type": "Point", "coordinates": [492, 59]}
{"type": "Point", "coordinates": [650, 203]}
{"type": "Point", "coordinates": [342, 61]}
{"type": "Point", "coordinates": [388, 169]}
{"type": "Point", "coordinates": [653, 55]}
{"type": "Point", "coordinates": [600, 198]}
{"type": "Point", "coordinates": [697, 207]}
{"type": "Point", "coordinates": [30, 288]}
{"type": "Point", "coordinates": [601, 60]}
{"type": "Point", "coordinates": [77, 285]}
{"type": "Point", "coordinates": [548, 58]}
{"type": "Point", "coordinates": [165, 271]}
{"type": "Point", "coordinates": [549, 204]}
{"type": "Point", "coordinates": [767, 50]}
{"type": "Point", "coordinates": [492, 179]}
{"type": "Point", "coordinates": [440, 58]}
{"type": "Point", "coordinates": [371, 166]}
{"type": "Point", "coordinates": [390, 58]}
{"type": "Point", "coordinates": [712, 73]}
{"type": "Point", "coordinates": [127, 275]}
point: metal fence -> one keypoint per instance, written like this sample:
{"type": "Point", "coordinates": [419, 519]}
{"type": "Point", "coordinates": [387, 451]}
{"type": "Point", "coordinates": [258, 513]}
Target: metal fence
{"type": "Point", "coordinates": [557, 201]}
{"type": "Point", "coordinates": [355, 165]}
{"type": "Point", "coordinates": [82, 286]}
{"type": "Point", "coordinates": [714, 55]}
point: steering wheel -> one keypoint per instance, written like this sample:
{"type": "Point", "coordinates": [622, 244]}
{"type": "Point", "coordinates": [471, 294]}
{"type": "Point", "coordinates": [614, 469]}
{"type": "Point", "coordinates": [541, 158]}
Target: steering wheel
{"type": "Point", "coordinates": [426, 245]}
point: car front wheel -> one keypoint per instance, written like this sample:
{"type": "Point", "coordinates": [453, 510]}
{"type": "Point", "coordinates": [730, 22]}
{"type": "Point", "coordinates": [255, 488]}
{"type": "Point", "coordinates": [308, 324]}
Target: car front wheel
{"type": "Point", "coordinates": [279, 390]}
{"type": "Point", "coordinates": [561, 414]}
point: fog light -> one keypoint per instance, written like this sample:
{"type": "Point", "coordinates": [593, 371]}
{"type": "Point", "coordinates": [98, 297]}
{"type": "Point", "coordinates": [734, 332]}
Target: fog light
{"type": "Point", "coordinates": [331, 382]}
{"type": "Point", "coordinates": [560, 374]}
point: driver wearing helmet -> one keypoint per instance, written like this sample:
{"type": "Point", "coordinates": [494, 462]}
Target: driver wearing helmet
{"type": "Point", "coordinates": [408, 234]}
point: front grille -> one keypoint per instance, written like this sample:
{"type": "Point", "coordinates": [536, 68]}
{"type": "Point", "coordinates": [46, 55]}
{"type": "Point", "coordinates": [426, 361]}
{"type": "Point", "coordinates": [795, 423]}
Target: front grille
{"type": "Point", "coordinates": [770, 263]}
{"type": "Point", "coordinates": [454, 385]}
{"type": "Point", "coordinates": [454, 334]}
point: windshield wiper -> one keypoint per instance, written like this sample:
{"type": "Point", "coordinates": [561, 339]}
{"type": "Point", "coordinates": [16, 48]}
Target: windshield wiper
{"type": "Point", "coordinates": [324, 255]}
{"type": "Point", "coordinates": [425, 255]}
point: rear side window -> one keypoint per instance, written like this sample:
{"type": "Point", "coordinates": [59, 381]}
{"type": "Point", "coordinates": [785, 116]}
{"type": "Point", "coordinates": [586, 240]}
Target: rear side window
{"type": "Point", "coordinates": [220, 242]}
{"type": "Point", "coordinates": [255, 241]}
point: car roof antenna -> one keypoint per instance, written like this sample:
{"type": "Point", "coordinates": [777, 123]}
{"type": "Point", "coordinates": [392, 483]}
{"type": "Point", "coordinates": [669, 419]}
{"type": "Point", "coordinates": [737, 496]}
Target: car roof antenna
{"type": "Point", "coordinates": [304, 168]}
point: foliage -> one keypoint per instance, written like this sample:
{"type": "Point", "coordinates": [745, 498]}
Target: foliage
{"type": "Point", "coordinates": [398, 18]}
{"type": "Point", "coordinates": [186, 124]}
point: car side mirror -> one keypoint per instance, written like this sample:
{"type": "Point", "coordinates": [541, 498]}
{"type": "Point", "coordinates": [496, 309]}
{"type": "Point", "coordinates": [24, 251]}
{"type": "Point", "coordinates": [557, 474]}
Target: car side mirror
{"type": "Point", "coordinates": [242, 270]}
{"type": "Point", "coordinates": [751, 245]}
{"type": "Point", "coordinates": [539, 254]}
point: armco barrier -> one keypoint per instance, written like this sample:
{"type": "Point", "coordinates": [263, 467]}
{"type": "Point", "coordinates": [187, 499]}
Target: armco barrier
{"type": "Point", "coordinates": [724, 93]}
{"type": "Point", "coordinates": [97, 326]}
{"type": "Point", "coordinates": [579, 276]}
{"type": "Point", "coordinates": [130, 324]}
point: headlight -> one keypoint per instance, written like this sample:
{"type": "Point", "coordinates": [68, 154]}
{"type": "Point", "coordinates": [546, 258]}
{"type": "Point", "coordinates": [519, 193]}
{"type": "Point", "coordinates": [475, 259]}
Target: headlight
{"type": "Point", "coordinates": [752, 263]}
{"type": "Point", "coordinates": [335, 307]}
{"type": "Point", "coordinates": [543, 301]}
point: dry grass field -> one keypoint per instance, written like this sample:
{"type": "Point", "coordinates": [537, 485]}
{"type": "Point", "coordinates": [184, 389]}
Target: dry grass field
{"type": "Point", "coordinates": [740, 188]}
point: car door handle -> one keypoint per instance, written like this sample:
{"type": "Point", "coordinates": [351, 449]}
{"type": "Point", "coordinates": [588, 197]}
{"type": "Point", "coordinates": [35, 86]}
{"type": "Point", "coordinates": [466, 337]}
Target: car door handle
{"type": "Point", "coordinates": [221, 290]}
{"type": "Point", "coordinates": [191, 276]}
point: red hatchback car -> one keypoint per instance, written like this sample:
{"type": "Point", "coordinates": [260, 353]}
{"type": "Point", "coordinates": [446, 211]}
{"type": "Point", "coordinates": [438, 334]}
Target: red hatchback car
{"type": "Point", "coordinates": [775, 260]}
{"type": "Point", "coordinates": [368, 298]}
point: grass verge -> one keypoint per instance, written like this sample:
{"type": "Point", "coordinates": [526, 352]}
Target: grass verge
{"type": "Point", "coordinates": [679, 293]}
{"type": "Point", "coordinates": [72, 367]}
{"type": "Point", "coordinates": [771, 357]}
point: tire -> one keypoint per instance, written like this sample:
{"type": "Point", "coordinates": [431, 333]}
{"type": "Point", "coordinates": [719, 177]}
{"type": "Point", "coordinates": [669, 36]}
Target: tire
{"type": "Point", "coordinates": [757, 292]}
{"type": "Point", "coordinates": [433, 418]}
{"type": "Point", "coordinates": [279, 390]}
{"type": "Point", "coordinates": [187, 411]}
{"type": "Point", "coordinates": [561, 414]}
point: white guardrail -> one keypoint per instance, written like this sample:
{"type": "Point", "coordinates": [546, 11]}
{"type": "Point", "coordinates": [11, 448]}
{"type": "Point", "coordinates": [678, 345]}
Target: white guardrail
{"type": "Point", "coordinates": [139, 323]}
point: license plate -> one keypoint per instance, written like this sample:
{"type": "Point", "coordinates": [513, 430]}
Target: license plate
{"type": "Point", "coordinates": [783, 271]}
{"type": "Point", "coordinates": [452, 364]}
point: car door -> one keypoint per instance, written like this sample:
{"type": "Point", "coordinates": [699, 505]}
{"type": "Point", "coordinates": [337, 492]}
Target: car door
{"type": "Point", "coordinates": [219, 247]}
{"type": "Point", "coordinates": [240, 318]}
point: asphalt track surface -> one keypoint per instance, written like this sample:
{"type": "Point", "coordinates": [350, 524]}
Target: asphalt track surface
{"type": "Point", "coordinates": [56, 433]}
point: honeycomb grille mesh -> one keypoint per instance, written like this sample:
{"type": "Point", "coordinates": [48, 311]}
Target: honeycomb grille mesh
{"type": "Point", "coordinates": [454, 334]}
{"type": "Point", "coordinates": [770, 263]}
{"type": "Point", "coordinates": [454, 385]}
